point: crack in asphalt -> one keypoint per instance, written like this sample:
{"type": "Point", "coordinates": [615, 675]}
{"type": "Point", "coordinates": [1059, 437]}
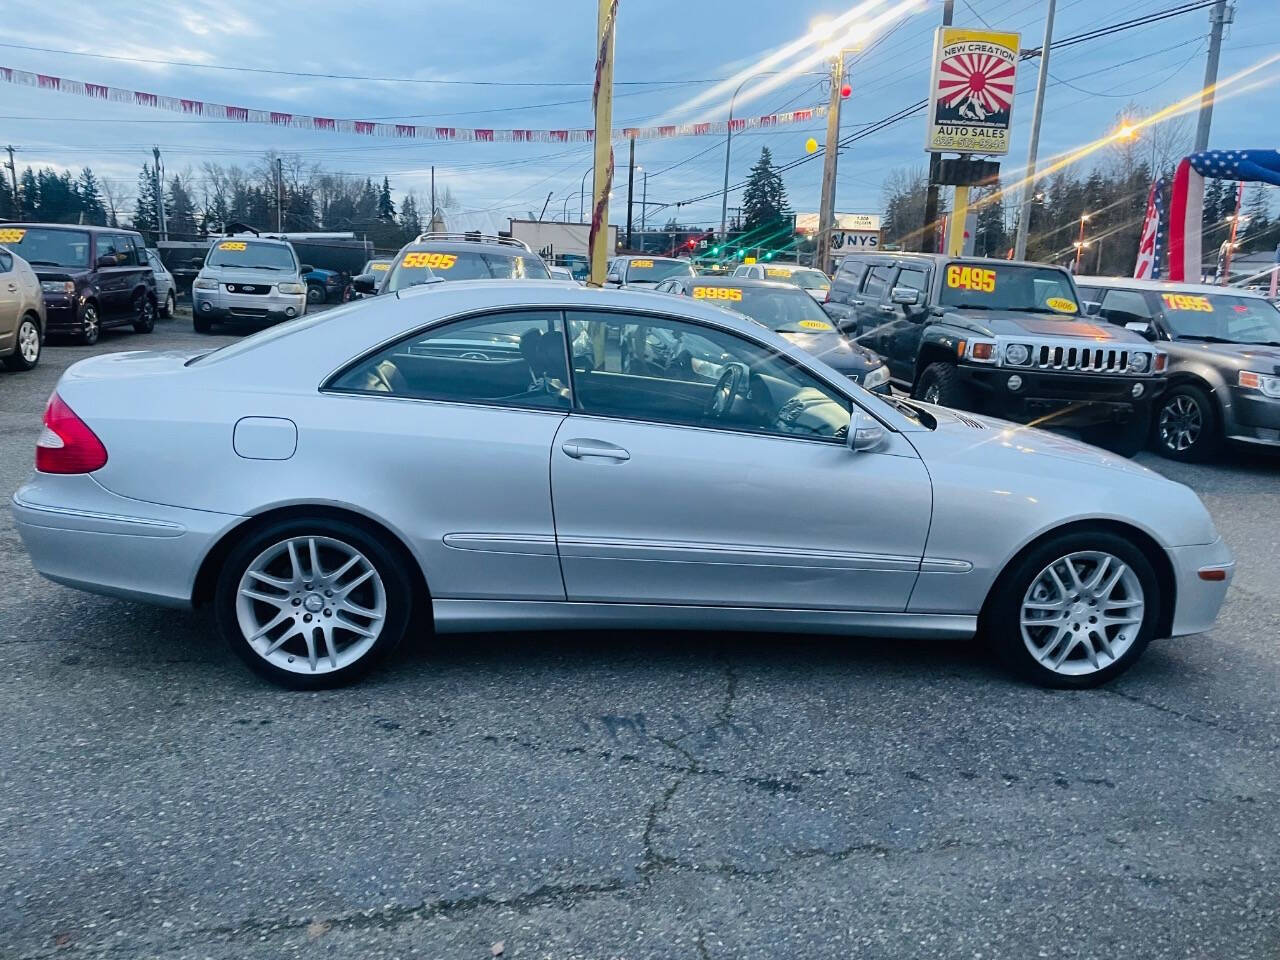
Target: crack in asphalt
{"type": "Point", "coordinates": [1172, 711]}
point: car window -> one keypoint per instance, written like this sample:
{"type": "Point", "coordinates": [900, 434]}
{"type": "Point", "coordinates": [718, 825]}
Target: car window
{"type": "Point", "coordinates": [515, 359]}
{"type": "Point", "coordinates": [106, 248]}
{"type": "Point", "coordinates": [1221, 316]}
{"type": "Point", "coordinates": [997, 285]}
{"type": "Point", "coordinates": [125, 256]}
{"type": "Point", "coordinates": [252, 255]}
{"type": "Point", "coordinates": [876, 282]}
{"type": "Point", "coordinates": [6, 262]}
{"type": "Point", "coordinates": [1125, 306]}
{"type": "Point", "coordinates": [50, 247]}
{"type": "Point", "coordinates": [640, 367]}
{"type": "Point", "coordinates": [418, 266]}
{"type": "Point", "coordinates": [913, 277]}
{"type": "Point", "coordinates": [139, 251]}
{"type": "Point", "coordinates": [651, 270]}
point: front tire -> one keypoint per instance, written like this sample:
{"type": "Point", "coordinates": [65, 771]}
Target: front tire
{"type": "Point", "coordinates": [200, 322]}
{"type": "Point", "coordinates": [940, 384]}
{"type": "Point", "coordinates": [26, 350]}
{"type": "Point", "coordinates": [312, 602]}
{"type": "Point", "coordinates": [1187, 425]}
{"type": "Point", "coordinates": [144, 313]}
{"type": "Point", "coordinates": [315, 293]}
{"type": "Point", "coordinates": [1076, 611]}
{"type": "Point", "coordinates": [90, 324]}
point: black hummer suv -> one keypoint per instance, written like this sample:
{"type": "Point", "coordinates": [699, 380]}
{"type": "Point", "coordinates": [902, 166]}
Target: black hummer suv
{"type": "Point", "coordinates": [1002, 337]}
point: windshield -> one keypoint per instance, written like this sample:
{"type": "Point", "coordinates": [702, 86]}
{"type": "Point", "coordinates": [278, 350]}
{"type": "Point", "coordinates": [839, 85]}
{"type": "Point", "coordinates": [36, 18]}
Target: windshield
{"type": "Point", "coordinates": [377, 266]}
{"type": "Point", "coordinates": [1009, 286]}
{"type": "Point", "coordinates": [803, 277]}
{"type": "Point", "coordinates": [418, 266]}
{"type": "Point", "coordinates": [252, 255]}
{"type": "Point", "coordinates": [1221, 316]}
{"type": "Point", "coordinates": [784, 310]}
{"type": "Point", "coordinates": [656, 270]}
{"type": "Point", "coordinates": [42, 247]}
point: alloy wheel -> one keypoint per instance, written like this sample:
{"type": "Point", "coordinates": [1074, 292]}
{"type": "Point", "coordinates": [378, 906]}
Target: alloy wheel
{"type": "Point", "coordinates": [1082, 613]}
{"type": "Point", "coordinates": [89, 324]}
{"type": "Point", "coordinates": [29, 342]}
{"type": "Point", "coordinates": [311, 605]}
{"type": "Point", "coordinates": [1181, 423]}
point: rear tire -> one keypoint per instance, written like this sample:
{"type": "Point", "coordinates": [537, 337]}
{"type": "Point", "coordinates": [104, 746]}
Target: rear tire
{"type": "Point", "coordinates": [313, 602]}
{"type": "Point", "coordinates": [1187, 425]}
{"type": "Point", "coordinates": [144, 312]}
{"type": "Point", "coordinates": [170, 306]}
{"type": "Point", "coordinates": [1075, 638]}
{"type": "Point", "coordinates": [201, 323]}
{"type": "Point", "coordinates": [26, 348]}
{"type": "Point", "coordinates": [940, 383]}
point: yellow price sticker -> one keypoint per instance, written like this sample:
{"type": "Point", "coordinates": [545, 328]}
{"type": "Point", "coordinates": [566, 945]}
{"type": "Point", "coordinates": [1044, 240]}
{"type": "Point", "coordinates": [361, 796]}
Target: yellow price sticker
{"type": "Point", "coordinates": [815, 325]}
{"type": "Point", "coordinates": [777, 272]}
{"type": "Point", "coordinates": [435, 261]}
{"type": "Point", "coordinates": [732, 294]}
{"type": "Point", "coordinates": [642, 264]}
{"type": "Point", "coordinates": [1061, 304]}
{"type": "Point", "coordinates": [380, 267]}
{"type": "Point", "coordinates": [12, 235]}
{"type": "Point", "coordinates": [977, 279]}
{"type": "Point", "coordinates": [1185, 301]}
{"type": "Point", "coordinates": [233, 245]}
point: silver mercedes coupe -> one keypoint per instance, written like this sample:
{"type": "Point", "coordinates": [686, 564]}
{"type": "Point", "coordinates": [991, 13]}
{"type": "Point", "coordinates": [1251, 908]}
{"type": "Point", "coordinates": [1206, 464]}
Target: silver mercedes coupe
{"type": "Point", "coordinates": [491, 456]}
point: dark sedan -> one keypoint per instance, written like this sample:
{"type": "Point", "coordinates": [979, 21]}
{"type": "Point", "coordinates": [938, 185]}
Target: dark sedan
{"type": "Point", "coordinates": [793, 314]}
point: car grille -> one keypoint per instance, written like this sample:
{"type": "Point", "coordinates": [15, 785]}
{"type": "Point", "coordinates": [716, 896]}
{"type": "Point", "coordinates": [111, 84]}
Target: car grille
{"type": "Point", "coordinates": [1081, 359]}
{"type": "Point", "coordinates": [248, 312]}
{"type": "Point", "coordinates": [258, 289]}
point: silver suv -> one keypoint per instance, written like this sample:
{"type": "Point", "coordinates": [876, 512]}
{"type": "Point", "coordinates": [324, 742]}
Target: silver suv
{"type": "Point", "coordinates": [249, 278]}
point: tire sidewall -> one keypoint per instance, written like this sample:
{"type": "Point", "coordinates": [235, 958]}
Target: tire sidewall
{"type": "Point", "coordinates": [144, 311]}
{"type": "Point", "coordinates": [16, 361]}
{"type": "Point", "coordinates": [315, 294]}
{"type": "Point", "coordinates": [395, 579]}
{"type": "Point", "coordinates": [170, 305]}
{"type": "Point", "coordinates": [1003, 616]}
{"type": "Point", "coordinates": [89, 334]}
{"type": "Point", "coordinates": [1210, 432]}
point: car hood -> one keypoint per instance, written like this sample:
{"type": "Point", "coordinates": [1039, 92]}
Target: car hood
{"type": "Point", "coordinates": [835, 350]}
{"type": "Point", "coordinates": [61, 273]}
{"type": "Point", "coordinates": [1257, 357]}
{"type": "Point", "coordinates": [1012, 323]}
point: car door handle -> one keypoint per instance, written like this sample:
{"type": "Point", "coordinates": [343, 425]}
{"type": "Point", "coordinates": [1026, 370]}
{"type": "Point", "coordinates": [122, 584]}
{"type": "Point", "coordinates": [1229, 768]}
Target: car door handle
{"type": "Point", "coordinates": [582, 448]}
{"type": "Point", "coordinates": [858, 303]}
{"type": "Point", "coordinates": [885, 308]}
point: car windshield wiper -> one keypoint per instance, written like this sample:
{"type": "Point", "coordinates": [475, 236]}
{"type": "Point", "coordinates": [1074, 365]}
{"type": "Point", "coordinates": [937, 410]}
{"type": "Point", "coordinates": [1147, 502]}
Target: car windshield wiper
{"type": "Point", "coordinates": [44, 263]}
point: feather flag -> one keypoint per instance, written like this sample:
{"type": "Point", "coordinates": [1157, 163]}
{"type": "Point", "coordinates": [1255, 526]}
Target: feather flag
{"type": "Point", "coordinates": [1151, 244]}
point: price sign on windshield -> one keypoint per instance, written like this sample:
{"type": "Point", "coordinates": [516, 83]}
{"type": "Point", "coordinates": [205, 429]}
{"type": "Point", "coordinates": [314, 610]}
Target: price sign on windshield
{"type": "Point", "coordinates": [717, 293]}
{"type": "Point", "coordinates": [1185, 301]}
{"type": "Point", "coordinates": [436, 261]}
{"type": "Point", "coordinates": [11, 235]}
{"type": "Point", "coordinates": [233, 245]}
{"type": "Point", "coordinates": [641, 264]}
{"type": "Point", "coordinates": [976, 279]}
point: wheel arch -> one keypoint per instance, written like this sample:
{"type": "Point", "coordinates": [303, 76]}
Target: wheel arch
{"type": "Point", "coordinates": [1150, 548]}
{"type": "Point", "coordinates": [207, 574]}
{"type": "Point", "coordinates": [932, 352]}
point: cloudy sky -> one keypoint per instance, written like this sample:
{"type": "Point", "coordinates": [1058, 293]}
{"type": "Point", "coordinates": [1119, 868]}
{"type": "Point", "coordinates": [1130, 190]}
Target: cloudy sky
{"type": "Point", "coordinates": [547, 48]}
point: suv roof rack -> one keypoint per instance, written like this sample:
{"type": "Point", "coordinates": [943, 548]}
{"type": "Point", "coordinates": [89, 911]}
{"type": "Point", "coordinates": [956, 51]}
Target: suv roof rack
{"type": "Point", "coordinates": [474, 236]}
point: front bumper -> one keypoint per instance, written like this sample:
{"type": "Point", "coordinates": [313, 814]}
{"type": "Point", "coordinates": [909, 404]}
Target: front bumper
{"type": "Point", "coordinates": [219, 305]}
{"type": "Point", "coordinates": [1068, 399]}
{"type": "Point", "coordinates": [61, 315]}
{"type": "Point", "coordinates": [82, 535]}
{"type": "Point", "coordinates": [1197, 600]}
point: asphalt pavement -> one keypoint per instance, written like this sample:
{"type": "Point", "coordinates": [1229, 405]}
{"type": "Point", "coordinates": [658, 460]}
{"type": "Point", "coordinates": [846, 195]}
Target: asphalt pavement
{"type": "Point", "coordinates": [630, 795]}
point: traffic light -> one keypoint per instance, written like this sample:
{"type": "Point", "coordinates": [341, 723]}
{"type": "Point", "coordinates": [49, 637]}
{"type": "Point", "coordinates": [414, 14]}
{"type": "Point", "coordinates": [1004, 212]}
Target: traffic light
{"type": "Point", "coordinates": [845, 91]}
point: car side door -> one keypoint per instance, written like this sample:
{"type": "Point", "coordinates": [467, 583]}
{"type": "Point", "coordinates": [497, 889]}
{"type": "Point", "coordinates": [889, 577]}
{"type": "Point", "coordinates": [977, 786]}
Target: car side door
{"type": "Point", "coordinates": [871, 320]}
{"type": "Point", "coordinates": [729, 485]}
{"type": "Point", "coordinates": [905, 329]}
{"type": "Point", "coordinates": [10, 299]}
{"type": "Point", "coordinates": [108, 277]}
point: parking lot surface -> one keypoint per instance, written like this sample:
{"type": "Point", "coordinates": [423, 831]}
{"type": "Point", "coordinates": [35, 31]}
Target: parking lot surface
{"type": "Point", "coordinates": [630, 795]}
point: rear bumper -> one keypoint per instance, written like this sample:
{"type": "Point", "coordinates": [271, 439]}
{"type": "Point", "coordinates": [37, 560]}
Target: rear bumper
{"type": "Point", "coordinates": [1253, 418]}
{"type": "Point", "coordinates": [82, 535]}
{"type": "Point", "coordinates": [1198, 600]}
{"type": "Point", "coordinates": [1070, 399]}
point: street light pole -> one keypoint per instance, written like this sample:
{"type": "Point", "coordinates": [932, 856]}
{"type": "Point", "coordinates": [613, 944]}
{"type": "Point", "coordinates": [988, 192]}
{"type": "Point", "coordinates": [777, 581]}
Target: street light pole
{"type": "Point", "coordinates": [582, 191]}
{"type": "Point", "coordinates": [644, 202]}
{"type": "Point", "coordinates": [728, 142]}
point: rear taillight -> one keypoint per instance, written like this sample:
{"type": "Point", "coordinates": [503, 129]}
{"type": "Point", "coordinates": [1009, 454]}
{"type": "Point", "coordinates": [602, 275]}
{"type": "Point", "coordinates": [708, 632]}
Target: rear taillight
{"type": "Point", "coordinates": [66, 444]}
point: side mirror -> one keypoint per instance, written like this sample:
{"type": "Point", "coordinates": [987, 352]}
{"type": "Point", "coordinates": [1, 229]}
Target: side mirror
{"type": "Point", "coordinates": [1092, 308]}
{"type": "Point", "coordinates": [364, 283]}
{"type": "Point", "coordinates": [865, 432]}
{"type": "Point", "coordinates": [614, 278]}
{"type": "Point", "coordinates": [107, 260]}
{"type": "Point", "coordinates": [306, 268]}
{"type": "Point", "coordinates": [1140, 327]}
{"type": "Point", "coordinates": [905, 296]}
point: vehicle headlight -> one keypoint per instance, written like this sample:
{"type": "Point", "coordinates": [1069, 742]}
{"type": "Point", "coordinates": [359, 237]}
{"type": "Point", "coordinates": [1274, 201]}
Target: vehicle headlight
{"type": "Point", "coordinates": [205, 283]}
{"type": "Point", "coordinates": [876, 377]}
{"type": "Point", "coordinates": [1138, 362]}
{"type": "Point", "coordinates": [1260, 381]}
{"type": "Point", "coordinates": [1017, 354]}
{"type": "Point", "coordinates": [290, 287]}
{"type": "Point", "coordinates": [64, 287]}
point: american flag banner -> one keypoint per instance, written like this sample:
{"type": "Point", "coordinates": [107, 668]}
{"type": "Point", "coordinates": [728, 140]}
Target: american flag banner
{"type": "Point", "coordinates": [221, 111]}
{"type": "Point", "coordinates": [1186, 206]}
{"type": "Point", "coordinates": [1151, 245]}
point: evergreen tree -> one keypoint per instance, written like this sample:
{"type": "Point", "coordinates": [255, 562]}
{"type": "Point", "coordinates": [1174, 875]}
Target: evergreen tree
{"type": "Point", "coordinates": [904, 203]}
{"type": "Point", "coordinates": [366, 205]}
{"type": "Point", "coordinates": [410, 224]}
{"type": "Point", "coordinates": [146, 213]}
{"type": "Point", "coordinates": [91, 204]}
{"type": "Point", "coordinates": [28, 193]}
{"type": "Point", "coordinates": [8, 209]}
{"type": "Point", "coordinates": [180, 211]}
{"type": "Point", "coordinates": [991, 239]}
{"type": "Point", "coordinates": [765, 211]}
{"type": "Point", "coordinates": [386, 209]}
{"type": "Point", "coordinates": [1259, 230]}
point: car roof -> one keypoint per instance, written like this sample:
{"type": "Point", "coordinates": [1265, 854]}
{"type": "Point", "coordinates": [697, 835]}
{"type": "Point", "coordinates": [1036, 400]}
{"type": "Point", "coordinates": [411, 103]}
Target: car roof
{"type": "Point", "coordinates": [902, 255]}
{"type": "Point", "coordinates": [1133, 283]}
{"type": "Point", "coordinates": [83, 227]}
{"type": "Point", "coordinates": [452, 245]}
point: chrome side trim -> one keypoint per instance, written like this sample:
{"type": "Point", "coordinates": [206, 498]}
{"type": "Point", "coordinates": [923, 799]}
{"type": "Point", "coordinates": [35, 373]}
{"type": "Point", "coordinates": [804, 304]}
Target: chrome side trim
{"type": "Point", "coordinates": [52, 515]}
{"type": "Point", "coordinates": [941, 565]}
{"type": "Point", "coordinates": [479, 616]}
{"type": "Point", "coordinates": [534, 543]}
{"type": "Point", "coordinates": [691, 552]}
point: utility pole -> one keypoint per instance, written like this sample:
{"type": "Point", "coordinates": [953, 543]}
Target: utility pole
{"type": "Point", "coordinates": [431, 223]}
{"type": "Point", "coordinates": [927, 232]}
{"type": "Point", "coordinates": [164, 222]}
{"type": "Point", "coordinates": [606, 22]}
{"type": "Point", "coordinates": [631, 178]}
{"type": "Point", "coordinates": [1219, 15]}
{"type": "Point", "coordinates": [279, 195]}
{"type": "Point", "coordinates": [827, 204]}
{"type": "Point", "coordinates": [644, 201]}
{"type": "Point", "coordinates": [13, 180]}
{"type": "Point", "coordinates": [1029, 183]}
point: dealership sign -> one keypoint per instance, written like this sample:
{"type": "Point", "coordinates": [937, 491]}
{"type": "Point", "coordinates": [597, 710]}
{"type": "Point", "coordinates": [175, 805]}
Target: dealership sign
{"type": "Point", "coordinates": [852, 231]}
{"type": "Point", "coordinates": [971, 95]}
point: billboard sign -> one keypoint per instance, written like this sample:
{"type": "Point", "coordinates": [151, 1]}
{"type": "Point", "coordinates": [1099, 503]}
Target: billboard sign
{"type": "Point", "coordinates": [808, 222]}
{"type": "Point", "coordinates": [971, 94]}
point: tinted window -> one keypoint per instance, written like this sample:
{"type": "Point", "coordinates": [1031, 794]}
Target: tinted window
{"type": "Point", "coordinates": [877, 281]}
{"type": "Point", "coordinates": [914, 278]}
{"type": "Point", "coordinates": [645, 270]}
{"type": "Point", "coordinates": [418, 266]}
{"type": "Point", "coordinates": [126, 256]}
{"type": "Point", "coordinates": [683, 373]}
{"type": "Point", "coordinates": [253, 255]}
{"type": "Point", "coordinates": [996, 285]}
{"type": "Point", "coordinates": [43, 247]}
{"type": "Point", "coordinates": [785, 309]}
{"type": "Point", "coordinates": [106, 252]}
{"type": "Point", "coordinates": [6, 262]}
{"type": "Point", "coordinates": [514, 359]}
{"type": "Point", "coordinates": [1125, 306]}
{"type": "Point", "coordinates": [1221, 316]}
